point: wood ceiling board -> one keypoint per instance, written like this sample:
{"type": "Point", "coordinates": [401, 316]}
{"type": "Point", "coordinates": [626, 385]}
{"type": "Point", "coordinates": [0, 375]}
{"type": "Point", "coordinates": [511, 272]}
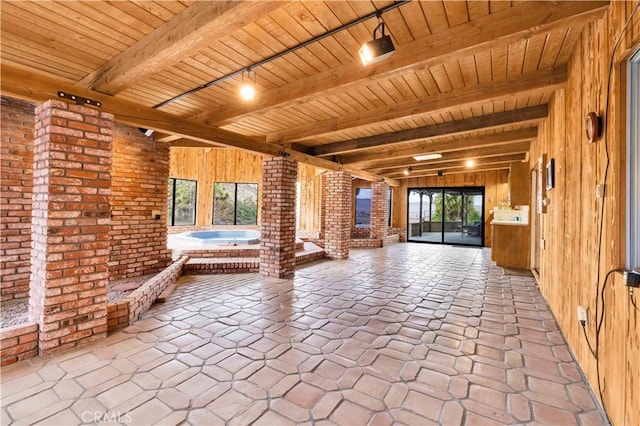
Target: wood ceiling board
{"type": "Point", "coordinates": [64, 15]}
{"type": "Point", "coordinates": [472, 153]}
{"type": "Point", "coordinates": [528, 115]}
{"type": "Point", "coordinates": [40, 27]}
{"type": "Point", "coordinates": [498, 5]}
{"type": "Point", "coordinates": [159, 9]}
{"type": "Point", "coordinates": [478, 8]}
{"type": "Point", "coordinates": [484, 93]}
{"type": "Point", "coordinates": [179, 37]}
{"type": "Point", "coordinates": [499, 29]}
{"type": "Point", "coordinates": [445, 143]}
{"type": "Point", "coordinates": [35, 35]}
{"type": "Point", "coordinates": [457, 12]}
{"type": "Point", "coordinates": [413, 15]}
{"type": "Point", "coordinates": [42, 60]}
{"type": "Point", "coordinates": [515, 57]}
{"type": "Point", "coordinates": [436, 16]}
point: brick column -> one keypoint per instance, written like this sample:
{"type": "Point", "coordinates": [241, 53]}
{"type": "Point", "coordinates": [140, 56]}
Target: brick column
{"type": "Point", "coordinates": [278, 229]}
{"type": "Point", "coordinates": [70, 227]}
{"type": "Point", "coordinates": [338, 222]}
{"type": "Point", "coordinates": [379, 210]}
{"type": "Point", "coordinates": [16, 185]}
{"type": "Point", "coordinates": [322, 206]}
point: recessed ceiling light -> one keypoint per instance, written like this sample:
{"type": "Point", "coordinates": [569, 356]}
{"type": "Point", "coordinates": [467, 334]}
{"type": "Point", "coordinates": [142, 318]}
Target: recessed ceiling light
{"type": "Point", "coordinates": [471, 163]}
{"type": "Point", "coordinates": [426, 157]}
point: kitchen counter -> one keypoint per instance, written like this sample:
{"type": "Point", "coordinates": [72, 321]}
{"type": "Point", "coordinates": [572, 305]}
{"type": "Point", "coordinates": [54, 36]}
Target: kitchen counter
{"type": "Point", "coordinates": [509, 222]}
{"type": "Point", "coordinates": [510, 244]}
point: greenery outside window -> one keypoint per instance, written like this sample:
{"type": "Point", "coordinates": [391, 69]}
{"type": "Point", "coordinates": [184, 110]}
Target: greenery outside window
{"type": "Point", "coordinates": [182, 202]}
{"type": "Point", "coordinates": [235, 203]}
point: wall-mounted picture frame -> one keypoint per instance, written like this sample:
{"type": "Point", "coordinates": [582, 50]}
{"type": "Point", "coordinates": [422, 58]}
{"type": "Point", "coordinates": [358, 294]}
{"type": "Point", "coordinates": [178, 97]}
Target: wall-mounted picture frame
{"type": "Point", "coordinates": [551, 174]}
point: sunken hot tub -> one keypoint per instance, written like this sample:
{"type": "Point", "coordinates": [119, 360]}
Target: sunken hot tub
{"type": "Point", "coordinates": [222, 236]}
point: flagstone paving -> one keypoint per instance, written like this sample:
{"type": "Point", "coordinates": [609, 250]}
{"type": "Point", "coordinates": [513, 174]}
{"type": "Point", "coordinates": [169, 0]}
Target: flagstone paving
{"type": "Point", "coordinates": [408, 334]}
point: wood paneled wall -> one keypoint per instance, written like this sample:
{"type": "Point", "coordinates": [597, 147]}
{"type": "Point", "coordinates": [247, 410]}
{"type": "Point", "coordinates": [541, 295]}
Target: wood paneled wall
{"type": "Point", "coordinates": [210, 165]}
{"type": "Point", "coordinates": [575, 260]}
{"type": "Point", "coordinates": [496, 190]}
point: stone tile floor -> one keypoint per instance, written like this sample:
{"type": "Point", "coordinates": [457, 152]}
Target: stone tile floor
{"type": "Point", "coordinates": [409, 334]}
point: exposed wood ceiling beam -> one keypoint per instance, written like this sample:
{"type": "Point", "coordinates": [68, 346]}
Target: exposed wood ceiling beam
{"type": "Point", "coordinates": [460, 170]}
{"type": "Point", "coordinates": [163, 137]}
{"type": "Point", "coordinates": [420, 171]}
{"type": "Point", "coordinates": [496, 30]}
{"type": "Point", "coordinates": [475, 154]}
{"type": "Point", "coordinates": [440, 103]}
{"type": "Point", "coordinates": [26, 84]}
{"type": "Point", "coordinates": [365, 160]}
{"type": "Point", "coordinates": [485, 122]}
{"type": "Point", "coordinates": [182, 36]}
{"type": "Point", "coordinates": [189, 143]}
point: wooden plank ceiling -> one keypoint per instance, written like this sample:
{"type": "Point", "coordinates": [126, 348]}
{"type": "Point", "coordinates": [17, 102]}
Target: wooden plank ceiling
{"type": "Point", "coordinates": [468, 79]}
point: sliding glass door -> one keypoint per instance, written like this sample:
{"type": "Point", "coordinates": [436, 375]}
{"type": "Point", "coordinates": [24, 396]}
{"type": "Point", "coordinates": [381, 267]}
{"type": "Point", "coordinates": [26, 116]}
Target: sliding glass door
{"type": "Point", "coordinates": [446, 215]}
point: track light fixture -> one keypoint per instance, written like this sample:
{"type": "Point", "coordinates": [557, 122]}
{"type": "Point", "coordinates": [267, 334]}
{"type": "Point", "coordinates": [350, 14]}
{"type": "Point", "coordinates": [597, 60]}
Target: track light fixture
{"type": "Point", "coordinates": [408, 171]}
{"type": "Point", "coordinates": [377, 49]}
{"type": "Point", "coordinates": [248, 85]}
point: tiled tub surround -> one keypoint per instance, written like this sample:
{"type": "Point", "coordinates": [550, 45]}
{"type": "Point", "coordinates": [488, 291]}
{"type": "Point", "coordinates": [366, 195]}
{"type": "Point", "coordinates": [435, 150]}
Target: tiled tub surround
{"type": "Point", "coordinates": [440, 336]}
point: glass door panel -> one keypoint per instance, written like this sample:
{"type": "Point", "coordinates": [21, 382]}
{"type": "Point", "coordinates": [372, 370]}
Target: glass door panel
{"type": "Point", "coordinates": [446, 215]}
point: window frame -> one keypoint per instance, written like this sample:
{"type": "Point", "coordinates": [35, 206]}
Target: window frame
{"type": "Point", "coordinates": [172, 203]}
{"type": "Point", "coordinates": [633, 163]}
{"type": "Point", "coordinates": [235, 204]}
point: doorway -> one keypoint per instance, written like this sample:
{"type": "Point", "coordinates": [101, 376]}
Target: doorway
{"type": "Point", "coordinates": [446, 215]}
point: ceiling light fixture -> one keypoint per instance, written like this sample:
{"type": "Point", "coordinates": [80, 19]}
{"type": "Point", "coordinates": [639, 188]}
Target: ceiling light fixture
{"type": "Point", "coordinates": [425, 157]}
{"type": "Point", "coordinates": [408, 170]}
{"type": "Point", "coordinates": [248, 85]}
{"type": "Point", "coordinates": [470, 163]}
{"type": "Point", "coordinates": [377, 49]}
{"type": "Point", "coordinates": [278, 55]}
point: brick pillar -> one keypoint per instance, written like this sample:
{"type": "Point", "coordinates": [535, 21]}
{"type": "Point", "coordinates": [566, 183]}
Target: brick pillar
{"type": "Point", "coordinates": [379, 210]}
{"type": "Point", "coordinates": [338, 222]}
{"type": "Point", "coordinates": [278, 230]}
{"type": "Point", "coordinates": [16, 192]}
{"type": "Point", "coordinates": [322, 206]}
{"type": "Point", "coordinates": [70, 225]}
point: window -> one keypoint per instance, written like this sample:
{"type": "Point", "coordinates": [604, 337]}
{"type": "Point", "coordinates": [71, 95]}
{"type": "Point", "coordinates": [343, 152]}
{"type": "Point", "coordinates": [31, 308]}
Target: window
{"type": "Point", "coordinates": [363, 207]}
{"type": "Point", "coordinates": [182, 202]}
{"type": "Point", "coordinates": [633, 164]}
{"type": "Point", "coordinates": [235, 203]}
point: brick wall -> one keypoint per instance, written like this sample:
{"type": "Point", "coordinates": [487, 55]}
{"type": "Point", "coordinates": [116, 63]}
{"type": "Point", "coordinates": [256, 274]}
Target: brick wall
{"type": "Point", "coordinates": [18, 342]}
{"type": "Point", "coordinates": [70, 224]}
{"type": "Point", "coordinates": [278, 227]}
{"type": "Point", "coordinates": [379, 210]}
{"type": "Point", "coordinates": [322, 207]}
{"type": "Point", "coordinates": [16, 190]}
{"type": "Point", "coordinates": [338, 219]}
{"type": "Point", "coordinates": [140, 173]}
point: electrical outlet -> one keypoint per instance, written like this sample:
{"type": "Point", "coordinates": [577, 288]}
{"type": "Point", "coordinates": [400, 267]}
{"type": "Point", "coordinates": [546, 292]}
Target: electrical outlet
{"type": "Point", "coordinates": [600, 190]}
{"type": "Point", "coordinates": [582, 316]}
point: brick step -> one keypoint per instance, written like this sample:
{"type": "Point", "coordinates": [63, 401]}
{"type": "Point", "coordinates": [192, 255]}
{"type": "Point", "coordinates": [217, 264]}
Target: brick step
{"type": "Point", "coordinates": [240, 265]}
{"type": "Point", "coordinates": [221, 265]}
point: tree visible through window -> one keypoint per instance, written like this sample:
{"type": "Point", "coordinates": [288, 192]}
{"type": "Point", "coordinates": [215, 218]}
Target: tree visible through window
{"type": "Point", "coordinates": [182, 202]}
{"type": "Point", "coordinates": [235, 203]}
